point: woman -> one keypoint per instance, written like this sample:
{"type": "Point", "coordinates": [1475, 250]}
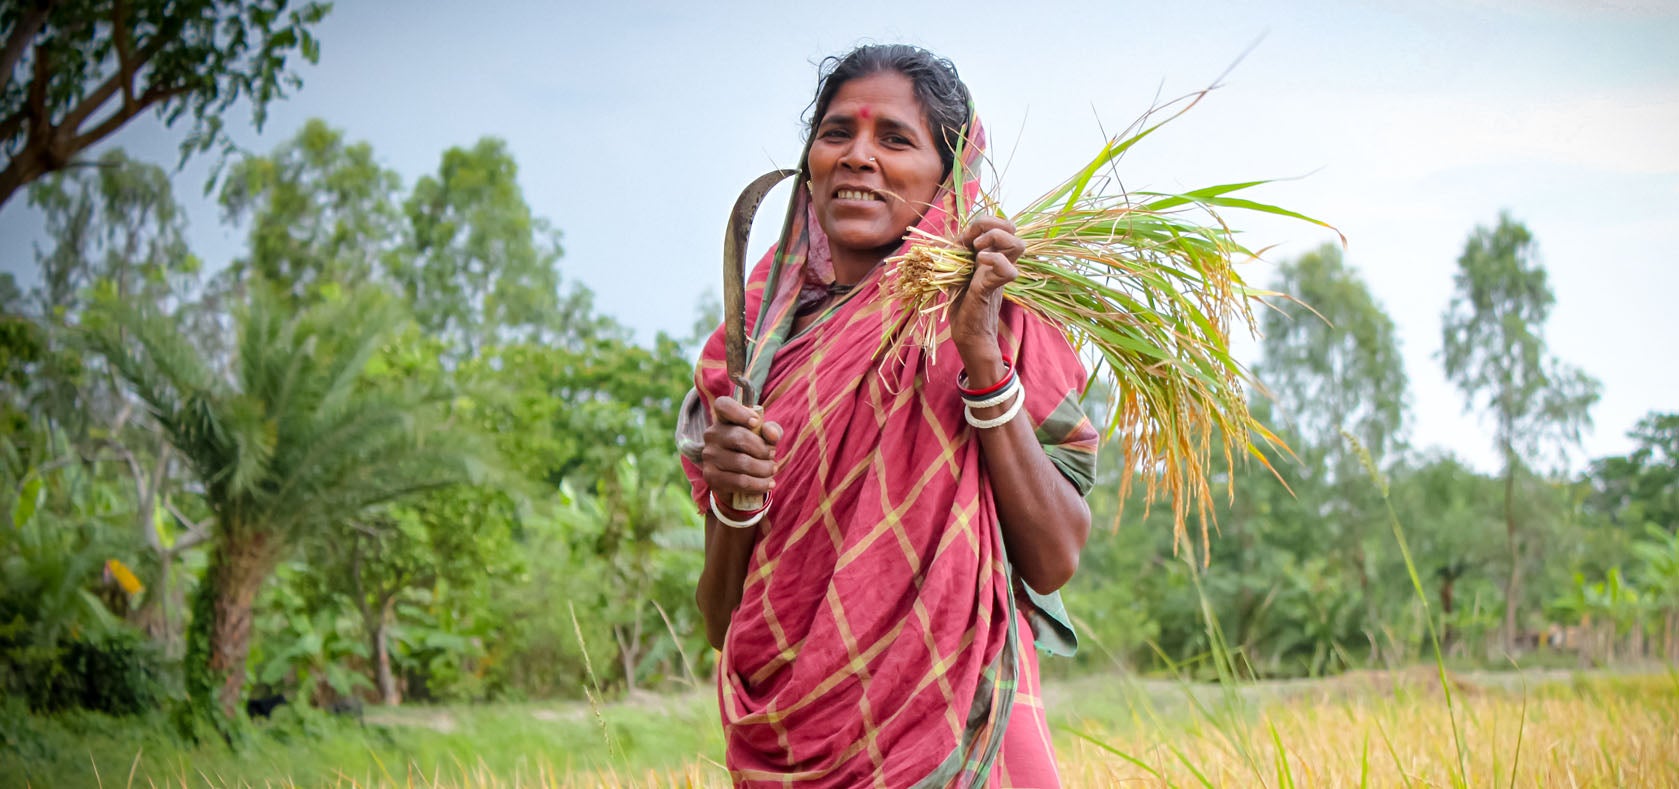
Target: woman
{"type": "Point", "coordinates": [867, 616]}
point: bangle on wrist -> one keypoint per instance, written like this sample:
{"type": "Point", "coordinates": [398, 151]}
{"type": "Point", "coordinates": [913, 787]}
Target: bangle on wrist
{"type": "Point", "coordinates": [1019, 393]}
{"type": "Point", "coordinates": [1001, 397]}
{"type": "Point", "coordinates": [755, 516]}
{"type": "Point", "coordinates": [962, 383]}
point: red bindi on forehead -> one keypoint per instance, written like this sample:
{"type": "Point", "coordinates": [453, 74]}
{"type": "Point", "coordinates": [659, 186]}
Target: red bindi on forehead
{"type": "Point", "coordinates": [865, 111]}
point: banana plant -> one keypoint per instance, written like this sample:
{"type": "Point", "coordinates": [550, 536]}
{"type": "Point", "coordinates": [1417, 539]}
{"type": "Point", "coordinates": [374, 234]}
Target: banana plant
{"type": "Point", "coordinates": [49, 561]}
{"type": "Point", "coordinates": [1659, 578]}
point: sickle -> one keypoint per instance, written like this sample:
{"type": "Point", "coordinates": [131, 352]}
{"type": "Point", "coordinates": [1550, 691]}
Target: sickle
{"type": "Point", "coordinates": [734, 300]}
{"type": "Point", "coordinates": [734, 279]}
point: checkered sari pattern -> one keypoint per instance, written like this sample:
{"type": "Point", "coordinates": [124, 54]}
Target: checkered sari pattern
{"type": "Point", "coordinates": [877, 641]}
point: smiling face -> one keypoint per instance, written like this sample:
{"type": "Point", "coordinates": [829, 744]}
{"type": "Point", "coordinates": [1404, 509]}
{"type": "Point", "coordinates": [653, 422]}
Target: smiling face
{"type": "Point", "coordinates": [874, 167]}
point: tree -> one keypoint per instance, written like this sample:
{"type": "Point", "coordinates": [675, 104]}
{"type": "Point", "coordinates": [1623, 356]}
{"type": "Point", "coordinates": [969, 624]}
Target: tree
{"type": "Point", "coordinates": [119, 228]}
{"type": "Point", "coordinates": [1494, 351]}
{"type": "Point", "coordinates": [463, 249]}
{"type": "Point", "coordinates": [1451, 520]}
{"type": "Point", "coordinates": [117, 233]}
{"type": "Point", "coordinates": [389, 558]}
{"type": "Point", "coordinates": [388, 555]}
{"type": "Point", "coordinates": [295, 442]}
{"type": "Point", "coordinates": [72, 72]}
{"type": "Point", "coordinates": [594, 420]}
{"type": "Point", "coordinates": [1658, 553]}
{"type": "Point", "coordinates": [1332, 363]}
{"type": "Point", "coordinates": [322, 212]}
{"type": "Point", "coordinates": [633, 521]}
{"type": "Point", "coordinates": [1642, 486]}
{"type": "Point", "coordinates": [480, 264]}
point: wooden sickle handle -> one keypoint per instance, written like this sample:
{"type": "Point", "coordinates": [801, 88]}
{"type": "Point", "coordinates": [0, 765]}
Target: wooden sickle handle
{"type": "Point", "coordinates": [747, 502]}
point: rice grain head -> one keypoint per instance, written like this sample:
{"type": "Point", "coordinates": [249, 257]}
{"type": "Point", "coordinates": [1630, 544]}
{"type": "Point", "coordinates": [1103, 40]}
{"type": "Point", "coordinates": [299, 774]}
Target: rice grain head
{"type": "Point", "coordinates": [1146, 283]}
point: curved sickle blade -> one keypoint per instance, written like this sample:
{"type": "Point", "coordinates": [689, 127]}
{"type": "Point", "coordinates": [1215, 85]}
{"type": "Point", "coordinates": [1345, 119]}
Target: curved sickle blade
{"type": "Point", "coordinates": [734, 278]}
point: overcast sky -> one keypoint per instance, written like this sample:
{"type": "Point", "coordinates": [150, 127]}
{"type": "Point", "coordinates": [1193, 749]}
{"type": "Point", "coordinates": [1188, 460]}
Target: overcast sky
{"type": "Point", "coordinates": [1404, 124]}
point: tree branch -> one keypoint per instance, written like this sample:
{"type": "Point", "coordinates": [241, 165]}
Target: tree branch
{"type": "Point", "coordinates": [125, 50]}
{"type": "Point", "coordinates": [12, 125]}
{"type": "Point", "coordinates": [35, 106]}
{"type": "Point", "coordinates": [196, 532]}
{"type": "Point", "coordinates": [73, 458]}
{"type": "Point", "coordinates": [122, 80]}
{"type": "Point", "coordinates": [122, 416]}
{"type": "Point", "coordinates": [148, 503]}
{"type": "Point", "coordinates": [27, 26]}
{"type": "Point", "coordinates": [189, 540]}
{"type": "Point", "coordinates": [92, 101]}
{"type": "Point", "coordinates": [121, 116]}
{"type": "Point", "coordinates": [133, 463]}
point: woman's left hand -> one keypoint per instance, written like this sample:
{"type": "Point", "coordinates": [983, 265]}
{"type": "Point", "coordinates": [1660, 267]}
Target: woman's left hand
{"type": "Point", "coordinates": [973, 317]}
{"type": "Point", "coordinates": [1045, 521]}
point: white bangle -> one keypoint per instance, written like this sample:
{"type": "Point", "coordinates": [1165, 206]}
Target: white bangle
{"type": "Point", "coordinates": [996, 399]}
{"type": "Point", "coordinates": [745, 524]}
{"type": "Point", "coordinates": [984, 424]}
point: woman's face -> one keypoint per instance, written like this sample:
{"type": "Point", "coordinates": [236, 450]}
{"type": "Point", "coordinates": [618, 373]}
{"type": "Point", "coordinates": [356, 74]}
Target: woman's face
{"type": "Point", "coordinates": [874, 165]}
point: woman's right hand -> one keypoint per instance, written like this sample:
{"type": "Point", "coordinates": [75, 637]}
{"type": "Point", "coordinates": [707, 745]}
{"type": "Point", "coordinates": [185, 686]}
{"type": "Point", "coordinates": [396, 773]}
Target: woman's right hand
{"type": "Point", "coordinates": [738, 457]}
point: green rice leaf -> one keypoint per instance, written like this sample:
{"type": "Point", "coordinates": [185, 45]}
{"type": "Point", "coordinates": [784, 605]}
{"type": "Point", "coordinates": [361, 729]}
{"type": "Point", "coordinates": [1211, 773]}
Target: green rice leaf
{"type": "Point", "coordinates": [1149, 290]}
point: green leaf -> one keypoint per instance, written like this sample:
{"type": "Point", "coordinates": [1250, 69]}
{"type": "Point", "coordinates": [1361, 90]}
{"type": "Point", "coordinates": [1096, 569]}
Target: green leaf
{"type": "Point", "coordinates": [29, 498]}
{"type": "Point", "coordinates": [1140, 764]}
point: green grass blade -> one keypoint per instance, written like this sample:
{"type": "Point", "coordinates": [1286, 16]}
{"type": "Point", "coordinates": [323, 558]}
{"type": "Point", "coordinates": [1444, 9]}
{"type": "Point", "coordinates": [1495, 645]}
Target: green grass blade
{"type": "Point", "coordinates": [1140, 764]}
{"type": "Point", "coordinates": [1166, 201]}
{"type": "Point", "coordinates": [1193, 770]}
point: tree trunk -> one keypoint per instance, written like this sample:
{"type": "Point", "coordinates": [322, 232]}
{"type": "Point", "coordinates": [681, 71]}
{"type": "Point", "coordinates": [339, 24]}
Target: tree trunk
{"type": "Point", "coordinates": [389, 694]}
{"type": "Point", "coordinates": [14, 177]}
{"type": "Point", "coordinates": [628, 653]}
{"type": "Point", "coordinates": [220, 640]}
{"type": "Point", "coordinates": [1513, 587]}
{"type": "Point", "coordinates": [153, 615]}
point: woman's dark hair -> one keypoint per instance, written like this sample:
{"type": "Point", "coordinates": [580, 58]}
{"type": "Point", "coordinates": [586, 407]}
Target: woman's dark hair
{"type": "Point", "coordinates": [944, 99]}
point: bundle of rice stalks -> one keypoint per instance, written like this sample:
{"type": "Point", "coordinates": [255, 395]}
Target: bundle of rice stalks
{"type": "Point", "coordinates": [1146, 281]}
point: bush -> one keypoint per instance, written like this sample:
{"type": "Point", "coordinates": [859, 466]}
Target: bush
{"type": "Point", "coordinates": [119, 673]}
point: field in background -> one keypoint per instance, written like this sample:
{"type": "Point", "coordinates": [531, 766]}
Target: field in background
{"type": "Point", "coordinates": [1363, 728]}
{"type": "Point", "coordinates": [1383, 729]}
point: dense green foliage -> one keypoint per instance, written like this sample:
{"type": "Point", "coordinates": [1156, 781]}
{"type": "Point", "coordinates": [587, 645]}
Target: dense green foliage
{"type": "Point", "coordinates": [422, 487]}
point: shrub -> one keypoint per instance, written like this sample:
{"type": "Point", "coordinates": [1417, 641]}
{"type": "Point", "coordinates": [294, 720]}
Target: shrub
{"type": "Point", "coordinates": [119, 673]}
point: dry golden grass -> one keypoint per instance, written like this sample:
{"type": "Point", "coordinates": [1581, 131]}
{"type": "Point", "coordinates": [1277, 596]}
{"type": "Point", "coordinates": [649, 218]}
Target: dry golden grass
{"type": "Point", "coordinates": [1604, 733]}
{"type": "Point", "coordinates": [1362, 730]}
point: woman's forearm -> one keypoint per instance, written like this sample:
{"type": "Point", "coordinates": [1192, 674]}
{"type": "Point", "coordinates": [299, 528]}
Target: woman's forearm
{"type": "Point", "coordinates": [728, 551]}
{"type": "Point", "coordinates": [1045, 521]}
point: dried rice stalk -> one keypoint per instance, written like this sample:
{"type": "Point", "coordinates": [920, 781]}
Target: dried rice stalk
{"type": "Point", "coordinates": [1145, 280]}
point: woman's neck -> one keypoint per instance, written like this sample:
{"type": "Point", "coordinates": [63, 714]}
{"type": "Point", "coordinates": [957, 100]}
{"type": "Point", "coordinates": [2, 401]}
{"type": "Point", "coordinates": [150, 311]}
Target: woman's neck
{"type": "Point", "coordinates": [850, 267]}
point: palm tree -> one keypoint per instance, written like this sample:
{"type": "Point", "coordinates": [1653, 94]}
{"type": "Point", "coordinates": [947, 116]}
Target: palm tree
{"type": "Point", "coordinates": [292, 439]}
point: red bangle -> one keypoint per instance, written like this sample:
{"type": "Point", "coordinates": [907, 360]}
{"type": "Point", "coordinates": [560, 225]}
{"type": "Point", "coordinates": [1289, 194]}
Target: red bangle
{"type": "Point", "coordinates": [734, 513]}
{"type": "Point", "coordinates": [962, 379]}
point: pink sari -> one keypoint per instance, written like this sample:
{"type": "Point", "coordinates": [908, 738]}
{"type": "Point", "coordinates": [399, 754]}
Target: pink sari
{"type": "Point", "coordinates": [878, 642]}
